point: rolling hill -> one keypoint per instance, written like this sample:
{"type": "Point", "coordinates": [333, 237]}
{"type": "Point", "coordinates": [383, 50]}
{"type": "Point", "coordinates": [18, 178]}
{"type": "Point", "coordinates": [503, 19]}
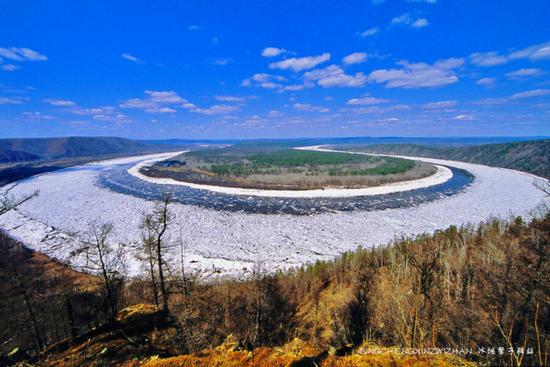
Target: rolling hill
{"type": "Point", "coordinates": [18, 150]}
{"type": "Point", "coordinates": [528, 156]}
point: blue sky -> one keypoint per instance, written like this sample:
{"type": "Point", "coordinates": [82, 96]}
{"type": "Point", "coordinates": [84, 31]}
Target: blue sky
{"type": "Point", "coordinates": [244, 69]}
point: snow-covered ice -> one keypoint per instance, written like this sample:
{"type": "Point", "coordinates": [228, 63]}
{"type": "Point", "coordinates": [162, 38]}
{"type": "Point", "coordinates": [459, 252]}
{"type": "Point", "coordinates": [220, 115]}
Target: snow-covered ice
{"type": "Point", "coordinates": [233, 242]}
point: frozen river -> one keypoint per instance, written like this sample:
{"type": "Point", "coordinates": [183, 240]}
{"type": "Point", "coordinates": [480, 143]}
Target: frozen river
{"type": "Point", "coordinates": [230, 234]}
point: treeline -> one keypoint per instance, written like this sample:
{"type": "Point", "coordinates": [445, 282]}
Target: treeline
{"type": "Point", "coordinates": [484, 288]}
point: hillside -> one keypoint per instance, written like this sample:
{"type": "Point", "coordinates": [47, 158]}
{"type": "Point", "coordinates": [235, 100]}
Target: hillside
{"type": "Point", "coordinates": [17, 150]}
{"type": "Point", "coordinates": [528, 156]}
{"type": "Point", "coordinates": [466, 289]}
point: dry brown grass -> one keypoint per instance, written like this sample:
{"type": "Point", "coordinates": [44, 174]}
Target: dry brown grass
{"type": "Point", "coordinates": [300, 354]}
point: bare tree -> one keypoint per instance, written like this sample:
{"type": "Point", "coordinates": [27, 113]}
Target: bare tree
{"type": "Point", "coordinates": [149, 258]}
{"type": "Point", "coordinates": [155, 226]}
{"type": "Point", "coordinates": [8, 202]}
{"type": "Point", "coordinates": [102, 258]}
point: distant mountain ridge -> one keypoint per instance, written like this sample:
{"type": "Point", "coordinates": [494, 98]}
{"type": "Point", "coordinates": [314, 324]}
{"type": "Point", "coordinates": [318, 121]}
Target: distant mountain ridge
{"type": "Point", "coordinates": [19, 150]}
{"type": "Point", "coordinates": [528, 156]}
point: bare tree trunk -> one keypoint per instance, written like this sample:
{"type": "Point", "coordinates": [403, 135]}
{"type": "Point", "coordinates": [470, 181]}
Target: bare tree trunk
{"type": "Point", "coordinates": [32, 317]}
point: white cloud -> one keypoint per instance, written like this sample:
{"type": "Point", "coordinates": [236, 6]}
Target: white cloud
{"type": "Point", "coordinates": [418, 75]}
{"type": "Point", "coordinates": [491, 101]}
{"type": "Point", "coordinates": [524, 73]}
{"type": "Point", "coordinates": [130, 57]}
{"type": "Point", "coordinates": [309, 108]}
{"type": "Point", "coordinates": [439, 105]}
{"type": "Point", "coordinates": [170, 101]}
{"type": "Point", "coordinates": [420, 23]}
{"type": "Point", "coordinates": [158, 102]}
{"type": "Point", "coordinates": [334, 76]}
{"type": "Point", "coordinates": [263, 80]}
{"type": "Point", "coordinates": [10, 67]}
{"type": "Point", "coordinates": [221, 61]}
{"type": "Point", "coordinates": [11, 100]}
{"type": "Point", "coordinates": [355, 58]}
{"type": "Point", "coordinates": [273, 51]}
{"type": "Point", "coordinates": [531, 93]}
{"type": "Point", "coordinates": [486, 82]}
{"type": "Point", "coordinates": [293, 87]}
{"type": "Point", "coordinates": [369, 32]}
{"type": "Point", "coordinates": [366, 101]}
{"type": "Point", "coordinates": [463, 117]}
{"type": "Point", "coordinates": [21, 54]}
{"type": "Point", "coordinates": [193, 27]}
{"type": "Point", "coordinates": [491, 58]}
{"type": "Point", "coordinates": [423, 1]}
{"type": "Point", "coordinates": [105, 110]}
{"type": "Point", "coordinates": [402, 19]}
{"type": "Point", "coordinates": [376, 109]}
{"type": "Point", "coordinates": [534, 53]}
{"type": "Point", "coordinates": [274, 113]}
{"type": "Point", "coordinates": [37, 116]}
{"type": "Point", "coordinates": [234, 99]}
{"type": "Point", "coordinates": [219, 109]}
{"type": "Point", "coordinates": [59, 102]}
{"type": "Point", "coordinates": [302, 63]}
{"type": "Point", "coordinates": [407, 19]}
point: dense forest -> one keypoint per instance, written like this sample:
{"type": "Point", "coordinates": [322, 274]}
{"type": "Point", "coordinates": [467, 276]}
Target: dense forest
{"type": "Point", "coordinates": [529, 156]}
{"type": "Point", "coordinates": [481, 291]}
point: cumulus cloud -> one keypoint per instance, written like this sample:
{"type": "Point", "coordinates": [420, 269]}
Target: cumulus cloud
{"type": "Point", "coordinates": [418, 75]}
{"type": "Point", "coordinates": [377, 109]}
{"type": "Point", "coordinates": [531, 93]}
{"type": "Point", "coordinates": [366, 101]}
{"type": "Point", "coordinates": [130, 58]}
{"type": "Point", "coordinates": [355, 58]}
{"type": "Point", "coordinates": [103, 113]}
{"type": "Point", "coordinates": [309, 108]}
{"type": "Point", "coordinates": [402, 19]}
{"type": "Point", "coordinates": [263, 80]}
{"type": "Point", "coordinates": [407, 19]}
{"type": "Point", "coordinates": [491, 101]}
{"type": "Point", "coordinates": [36, 116]}
{"type": "Point", "coordinates": [534, 53]}
{"type": "Point", "coordinates": [11, 100]}
{"type": "Point", "coordinates": [59, 102]}
{"type": "Point", "coordinates": [301, 63]}
{"type": "Point", "coordinates": [10, 67]}
{"type": "Point", "coordinates": [334, 76]}
{"type": "Point", "coordinates": [234, 99]}
{"type": "Point", "coordinates": [514, 97]}
{"type": "Point", "coordinates": [420, 23]}
{"type": "Point", "coordinates": [170, 101]}
{"type": "Point", "coordinates": [463, 117]}
{"type": "Point", "coordinates": [439, 105]}
{"type": "Point", "coordinates": [486, 82]}
{"type": "Point", "coordinates": [21, 54]}
{"type": "Point", "coordinates": [273, 51]}
{"type": "Point", "coordinates": [491, 58]}
{"type": "Point", "coordinates": [524, 73]}
{"type": "Point", "coordinates": [219, 109]}
{"type": "Point", "coordinates": [221, 61]}
{"type": "Point", "coordinates": [158, 102]}
{"type": "Point", "coordinates": [369, 32]}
